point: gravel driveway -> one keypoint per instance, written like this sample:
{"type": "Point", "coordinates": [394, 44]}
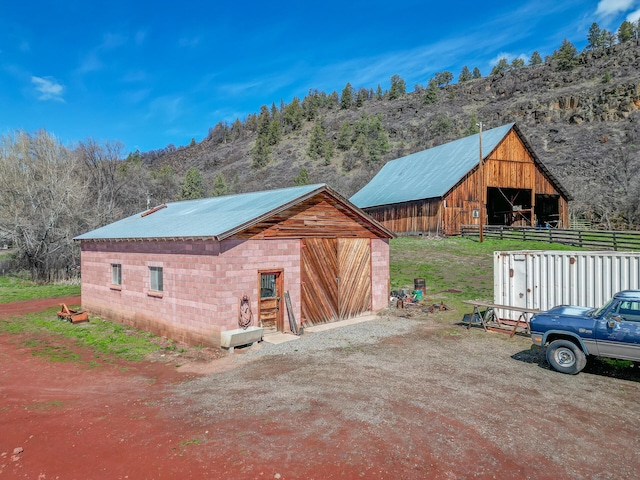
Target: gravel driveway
{"type": "Point", "coordinates": [411, 397]}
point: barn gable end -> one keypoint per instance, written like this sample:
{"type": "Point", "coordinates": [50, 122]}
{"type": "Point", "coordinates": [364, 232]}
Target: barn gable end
{"type": "Point", "coordinates": [517, 189]}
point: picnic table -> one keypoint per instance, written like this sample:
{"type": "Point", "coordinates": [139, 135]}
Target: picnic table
{"type": "Point", "coordinates": [493, 318]}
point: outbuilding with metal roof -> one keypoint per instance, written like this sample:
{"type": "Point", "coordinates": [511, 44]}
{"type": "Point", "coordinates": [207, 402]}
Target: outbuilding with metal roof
{"type": "Point", "coordinates": [191, 270]}
{"type": "Point", "coordinates": [438, 190]}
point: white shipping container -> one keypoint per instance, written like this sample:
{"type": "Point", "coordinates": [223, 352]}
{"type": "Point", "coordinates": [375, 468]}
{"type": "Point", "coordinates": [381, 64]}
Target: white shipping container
{"type": "Point", "coordinates": [543, 279]}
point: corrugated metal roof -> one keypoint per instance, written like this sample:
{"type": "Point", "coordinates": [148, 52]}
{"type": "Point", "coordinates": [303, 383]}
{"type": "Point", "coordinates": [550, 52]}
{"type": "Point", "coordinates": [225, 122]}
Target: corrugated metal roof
{"type": "Point", "coordinates": [207, 217]}
{"type": "Point", "coordinates": [430, 173]}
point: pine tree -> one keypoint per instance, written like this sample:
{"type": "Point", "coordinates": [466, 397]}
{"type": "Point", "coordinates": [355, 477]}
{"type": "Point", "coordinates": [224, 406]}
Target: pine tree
{"type": "Point", "coordinates": [517, 63]}
{"type": "Point", "coordinates": [379, 93]}
{"type": "Point", "coordinates": [473, 127]}
{"type": "Point", "coordinates": [371, 141]}
{"type": "Point", "coordinates": [332, 100]}
{"type": "Point", "coordinates": [345, 136]}
{"type": "Point", "coordinates": [302, 178]}
{"type": "Point", "coordinates": [292, 116]}
{"type": "Point", "coordinates": [319, 145]}
{"type": "Point", "coordinates": [625, 32]}
{"type": "Point", "coordinates": [260, 153]}
{"type": "Point", "coordinates": [535, 59]}
{"type": "Point", "coordinates": [608, 38]}
{"type": "Point", "coordinates": [398, 87]}
{"type": "Point", "coordinates": [431, 93]}
{"type": "Point", "coordinates": [565, 56]}
{"type": "Point", "coordinates": [476, 73]}
{"type": "Point", "coordinates": [465, 75]}
{"type": "Point", "coordinates": [264, 120]}
{"type": "Point", "coordinates": [595, 37]}
{"type": "Point", "coordinates": [347, 97]}
{"type": "Point", "coordinates": [443, 78]}
{"type": "Point", "coordinates": [362, 96]}
{"type": "Point", "coordinates": [220, 186]}
{"type": "Point", "coordinates": [192, 185]}
{"type": "Point", "coordinates": [501, 67]}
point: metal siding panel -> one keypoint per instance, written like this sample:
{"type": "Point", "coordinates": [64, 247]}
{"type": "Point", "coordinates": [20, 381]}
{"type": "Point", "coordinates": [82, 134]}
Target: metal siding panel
{"type": "Point", "coordinates": [552, 279]}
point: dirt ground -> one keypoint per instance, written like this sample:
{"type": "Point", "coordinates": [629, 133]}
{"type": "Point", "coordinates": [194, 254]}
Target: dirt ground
{"type": "Point", "coordinates": [437, 402]}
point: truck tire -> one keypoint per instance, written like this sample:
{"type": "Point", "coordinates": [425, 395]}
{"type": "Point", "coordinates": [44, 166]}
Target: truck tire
{"type": "Point", "coordinates": [566, 357]}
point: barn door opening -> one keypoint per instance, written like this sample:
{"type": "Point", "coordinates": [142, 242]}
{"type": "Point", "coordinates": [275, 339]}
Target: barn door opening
{"type": "Point", "coordinates": [509, 207]}
{"type": "Point", "coordinates": [548, 211]}
{"type": "Point", "coordinates": [336, 278]}
{"type": "Point", "coordinates": [270, 308]}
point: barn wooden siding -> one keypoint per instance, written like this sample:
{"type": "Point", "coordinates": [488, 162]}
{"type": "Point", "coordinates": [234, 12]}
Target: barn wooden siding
{"type": "Point", "coordinates": [336, 278]}
{"type": "Point", "coordinates": [510, 165]}
{"type": "Point", "coordinates": [422, 216]}
{"type": "Point", "coordinates": [319, 216]}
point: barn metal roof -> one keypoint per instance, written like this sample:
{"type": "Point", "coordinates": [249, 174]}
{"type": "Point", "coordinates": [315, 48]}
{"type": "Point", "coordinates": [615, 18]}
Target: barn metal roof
{"type": "Point", "coordinates": [217, 217]}
{"type": "Point", "coordinates": [429, 173]}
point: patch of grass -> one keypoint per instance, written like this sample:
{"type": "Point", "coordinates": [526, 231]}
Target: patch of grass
{"type": "Point", "coordinates": [617, 363]}
{"type": "Point", "coordinates": [52, 352]}
{"type": "Point", "coordinates": [454, 268]}
{"type": "Point", "coordinates": [53, 404]}
{"type": "Point", "coordinates": [193, 441]}
{"type": "Point", "coordinates": [13, 289]}
{"type": "Point", "coordinates": [104, 337]}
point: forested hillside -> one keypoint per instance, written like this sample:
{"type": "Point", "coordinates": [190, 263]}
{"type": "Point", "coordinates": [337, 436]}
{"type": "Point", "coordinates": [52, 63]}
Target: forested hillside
{"type": "Point", "coordinates": [580, 112]}
{"type": "Point", "coordinates": [581, 117]}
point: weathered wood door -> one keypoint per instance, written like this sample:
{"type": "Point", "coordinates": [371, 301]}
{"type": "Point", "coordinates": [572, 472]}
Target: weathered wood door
{"type": "Point", "coordinates": [270, 308]}
{"type": "Point", "coordinates": [336, 278]}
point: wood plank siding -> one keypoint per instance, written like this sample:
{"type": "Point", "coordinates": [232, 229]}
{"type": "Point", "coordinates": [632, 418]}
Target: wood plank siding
{"type": "Point", "coordinates": [336, 278]}
{"type": "Point", "coordinates": [422, 216]}
{"type": "Point", "coordinates": [510, 165]}
{"type": "Point", "coordinates": [319, 216]}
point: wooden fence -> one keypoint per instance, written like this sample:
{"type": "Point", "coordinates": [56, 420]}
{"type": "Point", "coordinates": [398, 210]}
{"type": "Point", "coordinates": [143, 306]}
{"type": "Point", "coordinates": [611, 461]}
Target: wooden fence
{"type": "Point", "coordinates": [592, 239]}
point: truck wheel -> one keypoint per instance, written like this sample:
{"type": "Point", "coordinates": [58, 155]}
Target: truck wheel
{"type": "Point", "coordinates": [566, 357]}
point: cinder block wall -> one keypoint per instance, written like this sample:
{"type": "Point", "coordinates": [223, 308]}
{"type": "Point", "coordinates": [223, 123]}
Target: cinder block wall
{"type": "Point", "coordinates": [203, 283]}
{"type": "Point", "coordinates": [379, 274]}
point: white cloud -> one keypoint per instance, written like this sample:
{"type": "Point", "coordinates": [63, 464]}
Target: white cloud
{"type": "Point", "coordinates": [612, 7]}
{"type": "Point", "coordinates": [634, 16]}
{"type": "Point", "coordinates": [49, 88]}
{"type": "Point", "coordinates": [494, 61]}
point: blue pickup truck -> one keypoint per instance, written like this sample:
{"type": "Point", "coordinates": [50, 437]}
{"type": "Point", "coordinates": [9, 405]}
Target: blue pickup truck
{"type": "Point", "coordinates": [573, 333]}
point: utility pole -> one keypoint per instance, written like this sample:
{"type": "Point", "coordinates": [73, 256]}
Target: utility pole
{"type": "Point", "coordinates": [481, 174]}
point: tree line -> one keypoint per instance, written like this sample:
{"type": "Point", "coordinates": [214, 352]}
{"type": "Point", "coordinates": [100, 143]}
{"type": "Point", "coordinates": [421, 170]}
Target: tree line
{"type": "Point", "coordinates": [50, 193]}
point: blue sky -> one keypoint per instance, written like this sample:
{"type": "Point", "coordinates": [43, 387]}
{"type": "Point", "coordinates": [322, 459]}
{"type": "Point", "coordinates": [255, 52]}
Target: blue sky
{"type": "Point", "coordinates": [149, 74]}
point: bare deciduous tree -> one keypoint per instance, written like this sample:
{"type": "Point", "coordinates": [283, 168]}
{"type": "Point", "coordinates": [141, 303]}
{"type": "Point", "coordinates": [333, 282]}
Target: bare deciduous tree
{"type": "Point", "coordinates": [41, 195]}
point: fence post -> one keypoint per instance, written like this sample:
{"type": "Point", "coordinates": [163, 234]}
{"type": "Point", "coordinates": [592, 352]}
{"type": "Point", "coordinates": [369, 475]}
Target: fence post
{"type": "Point", "coordinates": [615, 241]}
{"type": "Point", "coordinates": [580, 238]}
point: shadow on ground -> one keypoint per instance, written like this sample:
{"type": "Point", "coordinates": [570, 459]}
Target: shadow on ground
{"type": "Point", "coordinates": [606, 367]}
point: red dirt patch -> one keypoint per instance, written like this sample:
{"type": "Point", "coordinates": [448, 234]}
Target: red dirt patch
{"type": "Point", "coordinates": [31, 306]}
{"type": "Point", "coordinates": [412, 407]}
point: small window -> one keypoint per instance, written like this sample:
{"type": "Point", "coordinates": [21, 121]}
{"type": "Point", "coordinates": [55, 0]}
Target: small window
{"type": "Point", "coordinates": [475, 213]}
{"type": "Point", "coordinates": [116, 274]}
{"type": "Point", "coordinates": [155, 279]}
